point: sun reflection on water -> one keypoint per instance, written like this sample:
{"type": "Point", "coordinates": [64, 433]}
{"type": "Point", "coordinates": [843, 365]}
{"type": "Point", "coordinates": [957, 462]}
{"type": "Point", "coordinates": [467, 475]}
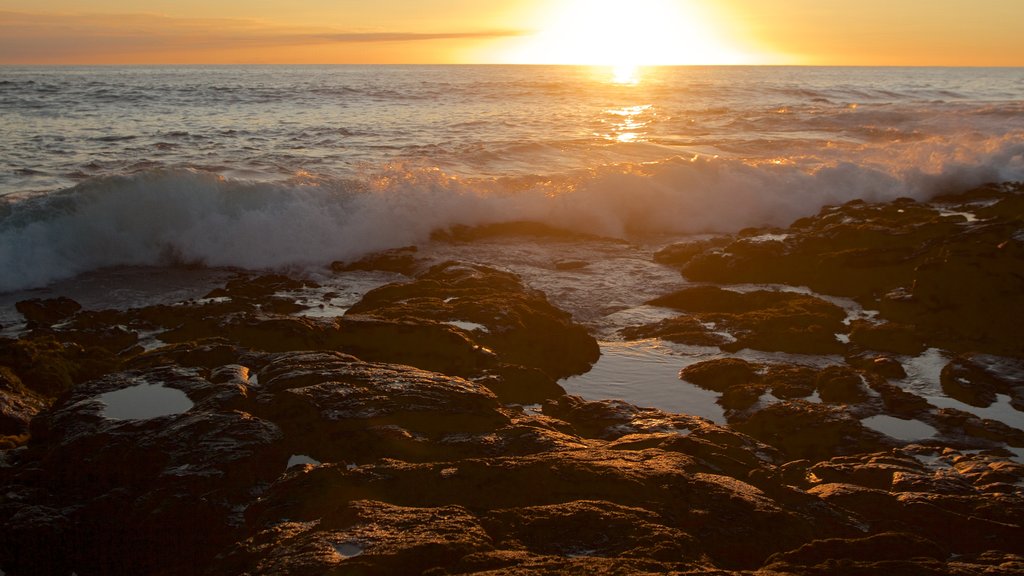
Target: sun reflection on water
{"type": "Point", "coordinates": [628, 124]}
{"type": "Point", "coordinates": [626, 74]}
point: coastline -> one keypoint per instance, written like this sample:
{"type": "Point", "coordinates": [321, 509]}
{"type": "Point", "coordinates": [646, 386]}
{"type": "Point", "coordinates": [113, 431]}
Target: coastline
{"type": "Point", "coordinates": [426, 412]}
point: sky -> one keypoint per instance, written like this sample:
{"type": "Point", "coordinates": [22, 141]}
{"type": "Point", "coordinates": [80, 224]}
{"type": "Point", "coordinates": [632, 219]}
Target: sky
{"type": "Point", "coordinates": [615, 32]}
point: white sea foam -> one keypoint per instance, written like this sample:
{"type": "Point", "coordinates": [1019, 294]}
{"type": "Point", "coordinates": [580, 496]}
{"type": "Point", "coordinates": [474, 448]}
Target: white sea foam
{"type": "Point", "coordinates": [168, 216]}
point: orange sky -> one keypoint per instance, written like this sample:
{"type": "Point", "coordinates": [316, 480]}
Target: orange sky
{"type": "Point", "coordinates": [831, 32]}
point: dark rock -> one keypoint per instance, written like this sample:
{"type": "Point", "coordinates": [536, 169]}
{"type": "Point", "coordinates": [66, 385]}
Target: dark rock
{"type": "Point", "coordinates": [520, 325]}
{"type": "Point", "coordinates": [400, 260]}
{"type": "Point", "coordinates": [875, 470]}
{"type": "Point", "coordinates": [591, 528]}
{"type": "Point", "coordinates": [935, 274]}
{"type": "Point", "coordinates": [802, 430]}
{"type": "Point", "coordinates": [741, 397]}
{"type": "Point", "coordinates": [461, 233]}
{"type": "Point", "coordinates": [423, 343]}
{"type": "Point", "coordinates": [47, 312]}
{"type": "Point", "coordinates": [762, 320]}
{"type": "Point", "coordinates": [247, 287]}
{"type": "Point", "coordinates": [18, 405]}
{"type": "Point", "coordinates": [886, 553]}
{"type": "Point", "coordinates": [977, 379]}
{"type": "Point", "coordinates": [207, 353]}
{"type": "Point", "coordinates": [883, 366]}
{"type": "Point", "coordinates": [361, 537]}
{"type": "Point", "coordinates": [886, 337]}
{"type": "Point", "coordinates": [788, 381]}
{"type": "Point", "coordinates": [840, 385]}
{"type": "Point", "coordinates": [160, 495]}
{"type": "Point", "coordinates": [50, 367]}
{"type": "Point", "coordinates": [613, 419]}
{"type": "Point", "coordinates": [520, 385]}
{"type": "Point", "coordinates": [680, 254]}
{"type": "Point", "coordinates": [720, 374]}
{"type": "Point", "coordinates": [898, 401]}
{"type": "Point", "coordinates": [345, 410]}
{"type": "Point", "coordinates": [681, 329]}
{"type": "Point", "coordinates": [701, 505]}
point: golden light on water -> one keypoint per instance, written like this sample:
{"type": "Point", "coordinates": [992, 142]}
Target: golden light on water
{"type": "Point", "coordinates": [626, 34]}
{"type": "Point", "coordinates": [626, 74]}
{"type": "Point", "coordinates": [628, 124]}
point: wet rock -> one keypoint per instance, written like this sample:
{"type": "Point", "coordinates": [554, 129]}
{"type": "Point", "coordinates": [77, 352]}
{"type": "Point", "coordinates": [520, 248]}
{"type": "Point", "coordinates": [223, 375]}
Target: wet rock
{"type": "Point", "coordinates": [519, 324]}
{"type": "Point", "coordinates": [977, 379]}
{"type": "Point", "coordinates": [925, 268]}
{"type": "Point", "coordinates": [341, 409]}
{"type": "Point", "coordinates": [591, 528]}
{"type": "Point", "coordinates": [461, 233]}
{"type": "Point", "coordinates": [18, 405]}
{"type": "Point", "coordinates": [876, 470]}
{"type": "Point", "coordinates": [720, 374]}
{"type": "Point", "coordinates": [361, 537]}
{"type": "Point", "coordinates": [680, 254]}
{"type": "Point", "coordinates": [41, 313]}
{"type": "Point", "coordinates": [788, 381]}
{"type": "Point", "coordinates": [803, 430]}
{"type": "Point", "coordinates": [206, 353]}
{"type": "Point", "coordinates": [883, 366]}
{"type": "Point", "coordinates": [681, 329]}
{"type": "Point", "coordinates": [613, 419]}
{"type": "Point", "coordinates": [50, 367]}
{"type": "Point", "coordinates": [928, 492]}
{"type": "Point", "coordinates": [698, 504]}
{"type": "Point", "coordinates": [399, 260]}
{"type": "Point", "coordinates": [959, 424]}
{"type": "Point", "coordinates": [741, 397]}
{"type": "Point", "coordinates": [886, 337]}
{"type": "Point", "coordinates": [898, 401]}
{"type": "Point", "coordinates": [840, 385]}
{"type": "Point", "coordinates": [519, 385]}
{"type": "Point", "coordinates": [141, 495]}
{"type": "Point", "coordinates": [762, 320]}
{"type": "Point", "coordinates": [423, 343]}
{"type": "Point", "coordinates": [248, 287]}
{"type": "Point", "coordinates": [886, 553]}
{"type": "Point", "coordinates": [953, 291]}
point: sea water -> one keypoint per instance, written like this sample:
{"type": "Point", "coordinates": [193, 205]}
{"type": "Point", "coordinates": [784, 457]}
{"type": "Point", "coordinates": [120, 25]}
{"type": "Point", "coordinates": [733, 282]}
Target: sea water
{"type": "Point", "coordinates": [296, 166]}
{"type": "Point", "coordinates": [124, 186]}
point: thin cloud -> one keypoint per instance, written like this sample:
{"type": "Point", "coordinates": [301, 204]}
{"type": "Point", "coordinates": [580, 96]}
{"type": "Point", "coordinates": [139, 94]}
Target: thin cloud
{"type": "Point", "coordinates": [414, 37]}
{"type": "Point", "coordinates": [69, 38]}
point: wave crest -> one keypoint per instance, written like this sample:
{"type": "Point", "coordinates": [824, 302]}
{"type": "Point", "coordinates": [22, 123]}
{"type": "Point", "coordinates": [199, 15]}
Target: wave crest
{"type": "Point", "coordinates": [169, 216]}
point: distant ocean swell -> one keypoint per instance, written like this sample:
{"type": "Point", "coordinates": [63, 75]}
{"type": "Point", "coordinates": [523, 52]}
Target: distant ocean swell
{"type": "Point", "coordinates": [182, 216]}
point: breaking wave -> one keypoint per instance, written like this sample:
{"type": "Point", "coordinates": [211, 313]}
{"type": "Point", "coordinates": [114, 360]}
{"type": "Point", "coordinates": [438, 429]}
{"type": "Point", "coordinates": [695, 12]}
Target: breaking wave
{"type": "Point", "coordinates": [176, 216]}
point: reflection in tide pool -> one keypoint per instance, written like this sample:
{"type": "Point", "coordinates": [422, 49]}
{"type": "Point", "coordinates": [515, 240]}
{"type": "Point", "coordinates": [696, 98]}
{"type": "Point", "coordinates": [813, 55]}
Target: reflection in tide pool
{"type": "Point", "coordinates": [646, 374]}
{"type": "Point", "coordinates": [905, 430]}
{"type": "Point", "coordinates": [143, 402]}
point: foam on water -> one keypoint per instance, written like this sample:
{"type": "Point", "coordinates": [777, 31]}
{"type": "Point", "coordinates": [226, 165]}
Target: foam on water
{"type": "Point", "coordinates": [291, 167]}
{"type": "Point", "coordinates": [174, 216]}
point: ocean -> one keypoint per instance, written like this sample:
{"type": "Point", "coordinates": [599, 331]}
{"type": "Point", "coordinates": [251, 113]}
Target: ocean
{"type": "Point", "coordinates": [285, 166]}
{"type": "Point", "coordinates": [123, 186]}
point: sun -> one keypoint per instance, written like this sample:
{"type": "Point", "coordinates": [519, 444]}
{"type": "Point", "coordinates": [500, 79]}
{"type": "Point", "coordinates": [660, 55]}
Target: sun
{"type": "Point", "coordinates": [625, 34]}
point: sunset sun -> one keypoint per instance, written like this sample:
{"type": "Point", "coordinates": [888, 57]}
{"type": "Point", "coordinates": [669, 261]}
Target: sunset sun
{"type": "Point", "coordinates": [625, 34]}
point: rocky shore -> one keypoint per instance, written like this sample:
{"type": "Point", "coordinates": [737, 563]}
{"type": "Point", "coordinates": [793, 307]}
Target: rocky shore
{"type": "Point", "coordinates": [424, 431]}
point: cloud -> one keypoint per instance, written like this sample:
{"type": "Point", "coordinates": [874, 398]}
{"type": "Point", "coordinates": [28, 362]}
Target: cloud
{"type": "Point", "coordinates": [30, 38]}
